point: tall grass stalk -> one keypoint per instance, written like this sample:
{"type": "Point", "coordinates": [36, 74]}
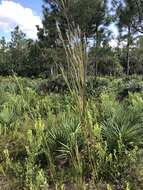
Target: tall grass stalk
{"type": "Point", "coordinates": [76, 56]}
{"type": "Point", "coordinates": [22, 93]}
{"type": "Point", "coordinates": [75, 48]}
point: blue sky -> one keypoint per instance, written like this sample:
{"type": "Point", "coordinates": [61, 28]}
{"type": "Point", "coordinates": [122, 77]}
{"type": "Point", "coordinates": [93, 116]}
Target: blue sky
{"type": "Point", "coordinates": [25, 13]}
{"type": "Point", "coordinates": [36, 5]}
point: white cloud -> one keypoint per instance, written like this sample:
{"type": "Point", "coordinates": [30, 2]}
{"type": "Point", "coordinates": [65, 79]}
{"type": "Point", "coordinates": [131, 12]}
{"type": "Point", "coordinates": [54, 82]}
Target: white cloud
{"type": "Point", "coordinates": [12, 14]}
{"type": "Point", "coordinates": [113, 43]}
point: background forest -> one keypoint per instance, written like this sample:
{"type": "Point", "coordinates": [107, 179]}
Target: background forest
{"type": "Point", "coordinates": [110, 53]}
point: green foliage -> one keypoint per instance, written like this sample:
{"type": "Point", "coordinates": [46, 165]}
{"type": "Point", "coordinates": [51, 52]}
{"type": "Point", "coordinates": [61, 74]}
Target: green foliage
{"type": "Point", "coordinates": [122, 122]}
{"type": "Point", "coordinates": [78, 130]}
{"type": "Point", "coordinates": [55, 85]}
{"type": "Point", "coordinates": [45, 56]}
{"type": "Point", "coordinates": [43, 144]}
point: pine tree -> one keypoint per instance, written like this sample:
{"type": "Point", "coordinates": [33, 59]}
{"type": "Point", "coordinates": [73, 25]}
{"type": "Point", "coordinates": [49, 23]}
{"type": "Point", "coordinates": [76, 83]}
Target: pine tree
{"type": "Point", "coordinates": [125, 13]}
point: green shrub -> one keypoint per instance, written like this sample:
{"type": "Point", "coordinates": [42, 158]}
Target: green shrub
{"type": "Point", "coordinates": [44, 144]}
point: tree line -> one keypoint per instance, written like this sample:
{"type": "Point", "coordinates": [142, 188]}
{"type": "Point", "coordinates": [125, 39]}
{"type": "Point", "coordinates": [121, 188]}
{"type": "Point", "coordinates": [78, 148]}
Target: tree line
{"type": "Point", "coordinates": [42, 57]}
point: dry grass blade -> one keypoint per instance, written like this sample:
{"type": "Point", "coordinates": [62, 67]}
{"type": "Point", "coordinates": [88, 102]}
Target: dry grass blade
{"type": "Point", "coordinates": [76, 55]}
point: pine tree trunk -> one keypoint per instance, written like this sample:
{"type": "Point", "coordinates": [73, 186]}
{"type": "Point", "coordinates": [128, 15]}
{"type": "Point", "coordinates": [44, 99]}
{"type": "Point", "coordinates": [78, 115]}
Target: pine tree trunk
{"type": "Point", "coordinates": [128, 51]}
{"type": "Point", "coordinates": [96, 57]}
{"type": "Point", "coordinates": [95, 68]}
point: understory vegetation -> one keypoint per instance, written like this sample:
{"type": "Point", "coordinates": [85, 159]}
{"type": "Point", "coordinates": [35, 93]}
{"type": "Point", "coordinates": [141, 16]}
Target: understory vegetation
{"type": "Point", "coordinates": [44, 144]}
{"type": "Point", "coordinates": [71, 103]}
